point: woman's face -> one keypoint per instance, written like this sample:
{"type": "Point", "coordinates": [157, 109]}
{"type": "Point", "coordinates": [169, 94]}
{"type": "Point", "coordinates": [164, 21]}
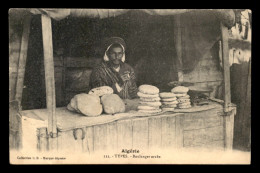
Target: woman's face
{"type": "Point", "coordinates": [115, 55]}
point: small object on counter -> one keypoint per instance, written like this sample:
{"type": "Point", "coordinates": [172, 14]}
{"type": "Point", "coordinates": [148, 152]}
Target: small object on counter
{"type": "Point", "coordinates": [148, 89]}
{"type": "Point", "coordinates": [152, 99]}
{"type": "Point", "coordinates": [112, 104]}
{"type": "Point", "coordinates": [168, 109]}
{"type": "Point", "coordinates": [147, 107]}
{"type": "Point", "coordinates": [151, 111]}
{"type": "Point", "coordinates": [86, 104]}
{"type": "Point", "coordinates": [100, 91]}
{"type": "Point", "coordinates": [182, 97]}
{"type": "Point", "coordinates": [147, 95]}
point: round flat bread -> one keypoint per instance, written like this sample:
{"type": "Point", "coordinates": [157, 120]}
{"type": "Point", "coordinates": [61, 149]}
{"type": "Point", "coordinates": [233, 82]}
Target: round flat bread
{"type": "Point", "coordinates": [148, 89]}
{"type": "Point", "coordinates": [154, 104]}
{"type": "Point", "coordinates": [170, 103]}
{"type": "Point", "coordinates": [181, 95]}
{"type": "Point", "coordinates": [150, 111]}
{"type": "Point", "coordinates": [147, 107]}
{"type": "Point", "coordinates": [167, 95]}
{"type": "Point", "coordinates": [183, 100]}
{"type": "Point", "coordinates": [180, 89]}
{"type": "Point", "coordinates": [168, 109]}
{"type": "Point", "coordinates": [147, 95]}
{"type": "Point", "coordinates": [151, 99]}
{"type": "Point", "coordinates": [184, 97]}
{"type": "Point", "coordinates": [184, 104]}
{"type": "Point", "coordinates": [169, 99]}
{"type": "Point", "coordinates": [184, 107]}
{"type": "Point", "coordinates": [169, 106]}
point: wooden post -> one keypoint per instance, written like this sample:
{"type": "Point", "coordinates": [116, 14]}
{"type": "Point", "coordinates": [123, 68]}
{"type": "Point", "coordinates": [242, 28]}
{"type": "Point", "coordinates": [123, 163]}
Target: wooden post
{"type": "Point", "coordinates": [226, 68]}
{"type": "Point", "coordinates": [49, 75]}
{"type": "Point", "coordinates": [229, 111]}
{"type": "Point", "coordinates": [22, 59]}
{"type": "Point", "coordinates": [178, 46]}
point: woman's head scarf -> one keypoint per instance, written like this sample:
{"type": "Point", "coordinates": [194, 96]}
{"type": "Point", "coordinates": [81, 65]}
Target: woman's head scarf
{"type": "Point", "coordinates": [109, 42]}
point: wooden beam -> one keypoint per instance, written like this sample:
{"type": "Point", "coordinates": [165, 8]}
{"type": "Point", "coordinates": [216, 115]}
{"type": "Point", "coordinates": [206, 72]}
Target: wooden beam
{"type": "Point", "coordinates": [226, 68]}
{"type": "Point", "coordinates": [49, 74]}
{"type": "Point", "coordinates": [22, 59]}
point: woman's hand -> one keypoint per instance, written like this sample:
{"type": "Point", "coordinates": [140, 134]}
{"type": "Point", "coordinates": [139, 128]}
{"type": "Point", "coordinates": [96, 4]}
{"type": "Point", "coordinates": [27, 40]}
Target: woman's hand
{"type": "Point", "coordinates": [125, 77]}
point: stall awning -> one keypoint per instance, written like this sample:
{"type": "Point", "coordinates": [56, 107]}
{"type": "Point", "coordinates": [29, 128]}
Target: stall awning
{"type": "Point", "coordinates": [227, 16]}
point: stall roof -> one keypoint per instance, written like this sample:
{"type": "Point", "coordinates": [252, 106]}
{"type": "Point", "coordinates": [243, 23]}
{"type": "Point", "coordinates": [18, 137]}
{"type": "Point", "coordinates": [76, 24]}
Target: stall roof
{"type": "Point", "coordinates": [227, 16]}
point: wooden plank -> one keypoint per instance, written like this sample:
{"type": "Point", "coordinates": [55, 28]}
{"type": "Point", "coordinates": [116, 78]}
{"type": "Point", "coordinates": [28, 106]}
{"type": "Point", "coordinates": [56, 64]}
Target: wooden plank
{"type": "Point", "coordinates": [214, 145]}
{"type": "Point", "coordinates": [100, 137]}
{"type": "Point", "coordinates": [49, 74]}
{"type": "Point", "coordinates": [15, 126]}
{"type": "Point", "coordinates": [125, 134]}
{"type": "Point", "coordinates": [68, 142]}
{"type": "Point", "coordinates": [179, 127]}
{"type": "Point", "coordinates": [203, 119]}
{"type": "Point", "coordinates": [203, 136]}
{"type": "Point", "coordinates": [88, 141]}
{"type": "Point", "coordinates": [42, 140]}
{"type": "Point", "coordinates": [155, 132]}
{"type": "Point", "coordinates": [22, 58]}
{"type": "Point", "coordinates": [226, 68]}
{"type": "Point", "coordinates": [112, 136]}
{"type": "Point", "coordinates": [168, 132]}
{"type": "Point", "coordinates": [229, 130]}
{"type": "Point", "coordinates": [140, 133]}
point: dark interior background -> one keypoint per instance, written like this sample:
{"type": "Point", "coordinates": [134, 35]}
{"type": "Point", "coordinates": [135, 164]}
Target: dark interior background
{"type": "Point", "coordinates": [149, 50]}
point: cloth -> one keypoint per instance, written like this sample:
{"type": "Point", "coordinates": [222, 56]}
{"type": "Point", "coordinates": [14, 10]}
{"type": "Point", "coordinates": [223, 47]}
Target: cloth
{"type": "Point", "coordinates": [106, 75]}
{"type": "Point", "coordinates": [227, 16]}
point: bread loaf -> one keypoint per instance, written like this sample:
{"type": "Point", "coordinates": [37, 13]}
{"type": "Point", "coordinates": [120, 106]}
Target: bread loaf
{"type": "Point", "coordinates": [100, 91]}
{"type": "Point", "coordinates": [148, 89]}
{"type": "Point", "coordinates": [147, 95]}
{"type": "Point", "coordinates": [112, 104]}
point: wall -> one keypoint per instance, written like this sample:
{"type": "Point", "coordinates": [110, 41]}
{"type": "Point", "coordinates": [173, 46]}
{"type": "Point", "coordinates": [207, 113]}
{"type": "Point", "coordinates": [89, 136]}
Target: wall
{"type": "Point", "coordinates": [208, 73]}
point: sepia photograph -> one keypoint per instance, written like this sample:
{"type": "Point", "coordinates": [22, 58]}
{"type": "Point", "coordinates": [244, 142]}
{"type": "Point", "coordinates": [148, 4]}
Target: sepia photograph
{"type": "Point", "coordinates": [129, 86]}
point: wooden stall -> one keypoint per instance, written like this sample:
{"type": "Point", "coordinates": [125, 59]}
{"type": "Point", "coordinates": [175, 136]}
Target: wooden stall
{"type": "Point", "coordinates": [209, 126]}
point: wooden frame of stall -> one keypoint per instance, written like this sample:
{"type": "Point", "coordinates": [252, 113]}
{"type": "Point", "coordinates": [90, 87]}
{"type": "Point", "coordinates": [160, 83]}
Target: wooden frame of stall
{"type": "Point", "coordinates": [149, 135]}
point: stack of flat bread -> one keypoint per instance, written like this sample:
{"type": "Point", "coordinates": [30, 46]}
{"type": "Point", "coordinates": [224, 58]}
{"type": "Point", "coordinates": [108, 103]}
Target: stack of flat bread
{"type": "Point", "coordinates": [169, 101]}
{"type": "Point", "coordinates": [149, 99]}
{"type": "Point", "coordinates": [183, 98]}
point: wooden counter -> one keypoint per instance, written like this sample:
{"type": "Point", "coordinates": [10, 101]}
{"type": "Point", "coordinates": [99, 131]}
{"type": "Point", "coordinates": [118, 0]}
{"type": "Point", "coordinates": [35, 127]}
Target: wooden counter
{"type": "Point", "coordinates": [169, 130]}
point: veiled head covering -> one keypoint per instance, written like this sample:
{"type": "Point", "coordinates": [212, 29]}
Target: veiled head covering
{"type": "Point", "coordinates": [113, 40]}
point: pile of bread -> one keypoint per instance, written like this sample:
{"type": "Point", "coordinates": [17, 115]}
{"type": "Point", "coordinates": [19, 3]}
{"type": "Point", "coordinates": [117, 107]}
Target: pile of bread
{"type": "Point", "coordinates": [183, 98]}
{"type": "Point", "coordinates": [149, 99]}
{"type": "Point", "coordinates": [96, 101]}
{"type": "Point", "coordinates": [169, 101]}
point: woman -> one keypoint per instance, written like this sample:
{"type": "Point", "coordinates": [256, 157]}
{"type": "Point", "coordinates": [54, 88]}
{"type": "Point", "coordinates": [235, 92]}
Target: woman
{"type": "Point", "coordinates": [114, 72]}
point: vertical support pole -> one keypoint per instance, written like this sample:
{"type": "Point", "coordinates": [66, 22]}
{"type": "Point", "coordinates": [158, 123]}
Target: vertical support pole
{"type": "Point", "coordinates": [229, 111]}
{"type": "Point", "coordinates": [49, 75]}
{"type": "Point", "coordinates": [22, 59]}
{"type": "Point", "coordinates": [226, 68]}
{"type": "Point", "coordinates": [178, 46]}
